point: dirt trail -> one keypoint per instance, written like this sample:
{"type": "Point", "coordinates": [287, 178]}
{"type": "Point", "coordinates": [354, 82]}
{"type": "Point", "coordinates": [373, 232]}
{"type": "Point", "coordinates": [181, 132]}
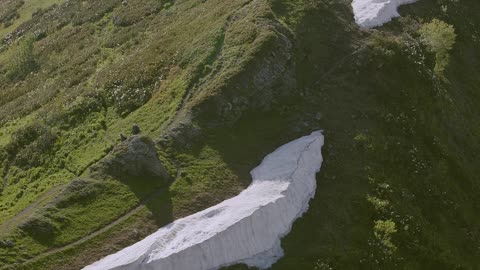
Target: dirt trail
{"type": "Point", "coordinates": [6, 226]}
{"type": "Point", "coordinates": [117, 221]}
{"type": "Point", "coordinates": [200, 81]}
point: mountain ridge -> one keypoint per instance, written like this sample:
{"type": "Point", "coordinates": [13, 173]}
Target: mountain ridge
{"type": "Point", "coordinates": [218, 85]}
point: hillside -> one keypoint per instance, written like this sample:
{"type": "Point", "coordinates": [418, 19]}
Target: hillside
{"type": "Point", "coordinates": [216, 85]}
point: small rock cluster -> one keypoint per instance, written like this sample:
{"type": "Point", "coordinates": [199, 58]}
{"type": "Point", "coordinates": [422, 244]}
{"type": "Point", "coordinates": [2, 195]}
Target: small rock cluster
{"type": "Point", "coordinates": [7, 244]}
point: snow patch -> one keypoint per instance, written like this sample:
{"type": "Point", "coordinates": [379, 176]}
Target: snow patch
{"type": "Point", "coordinates": [244, 229]}
{"type": "Point", "coordinates": [371, 13]}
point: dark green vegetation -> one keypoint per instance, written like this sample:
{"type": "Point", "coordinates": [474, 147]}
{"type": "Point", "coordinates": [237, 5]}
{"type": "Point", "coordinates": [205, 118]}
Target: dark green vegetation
{"type": "Point", "coordinates": [217, 85]}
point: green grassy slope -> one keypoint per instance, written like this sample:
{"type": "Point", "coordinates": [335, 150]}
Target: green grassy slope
{"type": "Point", "coordinates": [92, 72]}
{"type": "Point", "coordinates": [218, 84]}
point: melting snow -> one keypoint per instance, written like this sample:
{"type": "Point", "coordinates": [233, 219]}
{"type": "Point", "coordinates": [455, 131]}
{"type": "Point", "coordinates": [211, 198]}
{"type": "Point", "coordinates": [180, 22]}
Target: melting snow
{"type": "Point", "coordinates": [371, 13]}
{"type": "Point", "coordinates": [244, 229]}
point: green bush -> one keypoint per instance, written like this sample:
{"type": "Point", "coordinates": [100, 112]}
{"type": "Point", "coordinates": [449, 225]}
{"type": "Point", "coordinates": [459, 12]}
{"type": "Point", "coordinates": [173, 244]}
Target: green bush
{"type": "Point", "coordinates": [383, 231]}
{"type": "Point", "coordinates": [79, 191]}
{"type": "Point", "coordinates": [23, 60]}
{"type": "Point", "coordinates": [78, 110]}
{"type": "Point", "coordinates": [44, 225]}
{"type": "Point", "coordinates": [319, 265]}
{"type": "Point", "coordinates": [439, 37]}
{"type": "Point", "coordinates": [126, 99]}
{"type": "Point", "coordinates": [379, 204]}
{"type": "Point", "coordinates": [40, 228]}
{"type": "Point", "coordinates": [30, 145]}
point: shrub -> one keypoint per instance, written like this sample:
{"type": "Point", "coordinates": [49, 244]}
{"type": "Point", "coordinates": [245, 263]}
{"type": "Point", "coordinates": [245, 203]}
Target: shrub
{"type": "Point", "coordinates": [40, 228]}
{"type": "Point", "coordinates": [78, 110]}
{"type": "Point", "coordinates": [44, 225]}
{"type": "Point", "coordinates": [79, 191]}
{"type": "Point", "coordinates": [126, 99]}
{"type": "Point", "coordinates": [30, 145]}
{"type": "Point", "coordinates": [319, 265]}
{"type": "Point", "coordinates": [383, 231]}
{"type": "Point", "coordinates": [23, 137]}
{"type": "Point", "coordinates": [379, 204]}
{"type": "Point", "coordinates": [23, 60]}
{"type": "Point", "coordinates": [439, 37]}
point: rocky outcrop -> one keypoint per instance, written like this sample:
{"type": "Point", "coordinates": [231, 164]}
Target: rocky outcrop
{"type": "Point", "coordinates": [244, 229]}
{"type": "Point", "coordinates": [371, 13]}
{"type": "Point", "coordinates": [135, 156]}
{"type": "Point", "coordinates": [252, 70]}
{"type": "Point", "coordinates": [264, 69]}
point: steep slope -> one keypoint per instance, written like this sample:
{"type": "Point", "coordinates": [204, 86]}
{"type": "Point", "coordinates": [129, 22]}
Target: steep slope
{"type": "Point", "coordinates": [94, 70]}
{"type": "Point", "coordinates": [244, 229]}
{"type": "Point", "coordinates": [218, 85]}
{"type": "Point", "coordinates": [406, 160]}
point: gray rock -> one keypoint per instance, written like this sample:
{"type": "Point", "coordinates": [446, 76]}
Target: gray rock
{"type": "Point", "coordinates": [259, 86]}
{"type": "Point", "coordinates": [135, 130]}
{"type": "Point", "coordinates": [7, 244]}
{"type": "Point", "coordinates": [136, 156]}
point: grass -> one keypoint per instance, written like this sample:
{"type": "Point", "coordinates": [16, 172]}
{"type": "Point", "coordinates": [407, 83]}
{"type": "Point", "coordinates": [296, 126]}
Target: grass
{"type": "Point", "coordinates": [88, 251]}
{"type": "Point", "coordinates": [9, 128]}
{"type": "Point", "coordinates": [248, 76]}
{"type": "Point", "coordinates": [73, 94]}
{"type": "Point", "coordinates": [25, 191]}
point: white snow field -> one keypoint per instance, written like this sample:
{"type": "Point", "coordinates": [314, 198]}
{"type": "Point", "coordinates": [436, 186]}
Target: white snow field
{"type": "Point", "coordinates": [244, 229]}
{"type": "Point", "coordinates": [371, 13]}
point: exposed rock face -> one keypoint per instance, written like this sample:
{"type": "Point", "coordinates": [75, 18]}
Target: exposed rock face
{"type": "Point", "coordinates": [266, 74]}
{"type": "Point", "coordinates": [136, 156]}
{"type": "Point", "coordinates": [371, 13]}
{"type": "Point", "coordinates": [260, 74]}
{"type": "Point", "coordinates": [244, 229]}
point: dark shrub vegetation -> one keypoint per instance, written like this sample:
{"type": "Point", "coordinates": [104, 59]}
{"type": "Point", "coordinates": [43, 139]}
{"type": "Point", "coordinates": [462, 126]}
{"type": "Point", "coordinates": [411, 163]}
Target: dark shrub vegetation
{"type": "Point", "coordinates": [31, 145]}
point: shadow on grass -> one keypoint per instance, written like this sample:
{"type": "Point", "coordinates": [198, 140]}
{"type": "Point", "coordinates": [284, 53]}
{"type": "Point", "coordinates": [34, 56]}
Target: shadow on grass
{"type": "Point", "coordinates": [154, 194]}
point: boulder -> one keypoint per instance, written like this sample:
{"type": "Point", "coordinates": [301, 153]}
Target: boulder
{"type": "Point", "coordinates": [136, 156]}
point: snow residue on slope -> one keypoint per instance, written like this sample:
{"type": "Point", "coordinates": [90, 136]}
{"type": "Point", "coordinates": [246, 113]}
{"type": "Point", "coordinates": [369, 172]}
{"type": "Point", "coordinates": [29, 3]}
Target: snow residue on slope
{"type": "Point", "coordinates": [244, 229]}
{"type": "Point", "coordinates": [371, 13]}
